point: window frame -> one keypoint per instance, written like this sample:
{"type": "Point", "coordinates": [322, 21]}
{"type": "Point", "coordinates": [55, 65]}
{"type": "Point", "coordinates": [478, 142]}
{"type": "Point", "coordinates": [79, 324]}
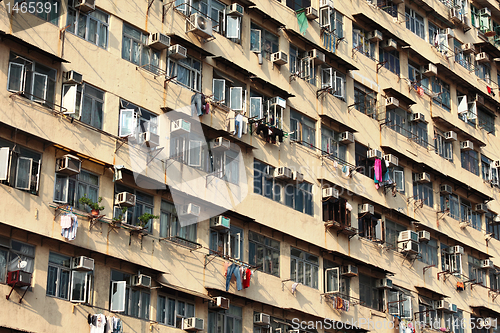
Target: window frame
{"type": "Point", "coordinates": [128, 297]}
{"type": "Point", "coordinates": [195, 74]}
{"type": "Point", "coordinates": [101, 26]}
{"type": "Point", "coordinates": [269, 251]}
{"type": "Point", "coordinates": [176, 315]}
{"type": "Point", "coordinates": [303, 259]}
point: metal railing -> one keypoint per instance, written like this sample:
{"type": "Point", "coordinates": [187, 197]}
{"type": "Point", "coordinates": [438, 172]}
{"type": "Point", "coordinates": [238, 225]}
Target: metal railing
{"type": "Point", "coordinates": [410, 135]}
{"type": "Point", "coordinates": [35, 99]}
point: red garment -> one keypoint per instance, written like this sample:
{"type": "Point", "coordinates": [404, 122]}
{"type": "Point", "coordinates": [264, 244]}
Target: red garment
{"type": "Point", "coordinates": [489, 89]}
{"type": "Point", "coordinates": [246, 278]}
{"type": "Point", "coordinates": [420, 91]}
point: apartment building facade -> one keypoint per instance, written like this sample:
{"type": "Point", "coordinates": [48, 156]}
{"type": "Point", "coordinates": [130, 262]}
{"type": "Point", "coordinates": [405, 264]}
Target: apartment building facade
{"type": "Point", "coordinates": [347, 159]}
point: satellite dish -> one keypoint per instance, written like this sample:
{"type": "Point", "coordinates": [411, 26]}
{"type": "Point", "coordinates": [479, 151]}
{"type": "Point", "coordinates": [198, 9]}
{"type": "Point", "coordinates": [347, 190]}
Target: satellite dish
{"type": "Point", "coordinates": [22, 264]}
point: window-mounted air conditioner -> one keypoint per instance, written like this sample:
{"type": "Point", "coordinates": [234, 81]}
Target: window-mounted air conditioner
{"type": "Point", "coordinates": [384, 283]}
{"type": "Point", "coordinates": [220, 222]}
{"type": "Point", "coordinates": [457, 249]}
{"type": "Point", "coordinates": [453, 308]}
{"type": "Point", "coordinates": [261, 319]}
{"type": "Point", "coordinates": [450, 33]}
{"type": "Point", "coordinates": [408, 235]}
{"type": "Point", "coordinates": [311, 13]}
{"type": "Point", "coordinates": [219, 303]}
{"type": "Point", "coordinates": [141, 280]}
{"type": "Point", "coordinates": [392, 159]}
{"type": "Point", "coordinates": [467, 145]}
{"type": "Point", "coordinates": [125, 199]}
{"type": "Point", "coordinates": [389, 44]}
{"type": "Point", "coordinates": [455, 16]}
{"type": "Point", "coordinates": [18, 278]}
{"type": "Point", "coordinates": [85, 6]}
{"type": "Point", "coordinates": [374, 153]}
{"type": "Point", "coordinates": [190, 210]}
{"type": "Point", "coordinates": [431, 70]}
{"type": "Point", "coordinates": [317, 56]}
{"type": "Point", "coordinates": [442, 305]}
{"type": "Point", "coordinates": [235, 9]}
{"type": "Point", "coordinates": [424, 236]}
{"type": "Point", "coordinates": [484, 12]}
{"type": "Point", "coordinates": [346, 137]}
{"type": "Point", "coordinates": [298, 176]}
{"type": "Point", "coordinates": [468, 48]}
{"type": "Point", "coordinates": [279, 58]}
{"type": "Point", "coordinates": [418, 117]}
{"type": "Point", "coordinates": [180, 125]}
{"type": "Point", "coordinates": [375, 36]}
{"type": "Point", "coordinates": [177, 51]}
{"type": "Point", "coordinates": [450, 136]}
{"type": "Point", "coordinates": [325, 3]}
{"type": "Point", "coordinates": [482, 57]}
{"type": "Point", "coordinates": [151, 139]}
{"type": "Point", "coordinates": [193, 324]}
{"type": "Point", "coordinates": [391, 103]}
{"type": "Point", "coordinates": [278, 101]}
{"type": "Point", "coordinates": [487, 263]}
{"type": "Point", "coordinates": [159, 41]}
{"type": "Point", "coordinates": [199, 25]}
{"type": "Point", "coordinates": [481, 208]}
{"type": "Point", "coordinates": [73, 77]}
{"type": "Point", "coordinates": [422, 177]}
{"type": "Point", "coordinates": [349, 270]}
{"type": "Point", "coordinates": [409, 247]}
{"type": "Point", "coordinates": [330, 192]}
{"type": "Point", "coordinates": [220, 144]}
{"type": "Point", "coordinates": [283, 173]}
{"type": "Point", "coordinates": [445, 189]}
{"type": "Point", "coordinates": [82, 263]}
{"type": "Point", "coordinates": [68, 165]}
{"type": "Point", "coordinates": [366, 209]}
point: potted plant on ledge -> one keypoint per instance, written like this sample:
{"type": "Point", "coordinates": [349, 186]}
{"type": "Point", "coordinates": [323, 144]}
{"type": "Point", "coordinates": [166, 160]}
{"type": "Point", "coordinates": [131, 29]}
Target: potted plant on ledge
{"type": "Point", "coordinates": [121, 217]}
{"type": "Point", "coordinates": [145, 218]}
{"type": "Point", "coordinates": [94, 206]}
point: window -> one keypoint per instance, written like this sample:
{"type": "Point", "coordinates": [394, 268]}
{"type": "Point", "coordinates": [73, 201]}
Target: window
{"type": "Point", "coordinates": [298, 4]}
{"type": "Point", "coordinates": [483, 71]}
{"type": "Point", "coordinates": [19, 167]}
{"type": "Point", "coordinates": [423, 191]}
{"type": "Point", "coordinates": [303, 129]}
{"type": "Point", "coordinates": [465, 60]}
{"type": "Point", "coordinates": [230, 92]}
{"type": "Point", "coordinates": [143, 204]}
{"type": "Point", "coordinates": [450, 262]}
{"type": "Point", "coordinates": [336, 210]}
{"type": "Point", "coordinates": [135, 49]}
{"type": "Point", "coordinates": [488, 171]}
{"type": "Point", "coordinates": [51, 15]}
{"type": "Point", "coordinates": [362, 163]}
{"type": "Point", "coordinates": [69, 189]}
{"type": "Point", "coordinates": [262, 108]}
{"type": "Point", "coordinates": [389, 7]}
{"type": "Point", "coordinates": [187, 72]}
{"type": "Point", "coordinates": [369, 294]}
{"type": "Point", "coordinates": [392, 230]}
{"type": "Point", "coordinates": [434, 31]}
{"type": "Point", "coordinates": [492, 226]}
{"type": "Point", "coordinates": [233, 28]}
{"type": "Point", "coordinates": [397, 120]}
{"type": "Point", "coordinates": [170, 225]}
{"type": "Point", "coordinates": [264, 182]}
{"type": "Point", "coordinates": [330, 144]}
{"type": "Point", "coordinates": [226, 321]}
{"type": "Point", "coordinates": [365, 100]}
{"type": "Point", "coordinates": [334, 281]}
{"type": "Point", "coordinates": [399, 303]}
{"type": "Point", "coordinates": [296, 55]}
{"type": "Point", "coordinates": [486, 120]}
{"type": "Point", "coordinates": [135, 120]}
{"type": "Point", "coordinates": [470, 161]}
{"type": "Point", "coordinates": [428, 314]}
{"type": "Point", "coordinates": [443, 147]}
{"type": "Point", "coordinates": [130, 300]}
{"type": "Point", "coordinates": [476, 272]}
{"type": "Point", "coordinates": [225, 165]}
{"type": "Point", "coordinates": [494, 279]}
{"type": "Point", "coordinates": [264, 253]}
{"type": "Point", "coordinates": [449, 203]}
{"type": "Point", "coordinates": [171, 311]}
{"type": "Point", "coordinates": [92, 27]}
{"type": "Point", "coordinates": [398, 175]}
{"type": "Point", "coordinates": [369, 226]}
{"type": "Point", "coordinates": [62, 282]}
{"type": "Point", "coordinates": [442, 89]}
{"type": "Point", "coordinates": [390, 60]}
{"type": "Point", "coordinates": [299, 197]}
{"type": "Point", "coordinates": [84, 102]}
{"type": "Point", "coordinates": [12, 253]}
{"type": "Point", "coordinates": [429, 252]}
{"type": "Point", "coordinates": [304, 268]}
{"type": "Point", "coordinates": [419, 133]}
{"type": "Point", "coordinates": [227, 242]}
{"type": "Point", "coordinates": [263, 41]}
{"type": "Point", "coordinates": [191, 149]}
{"type": "Point", "coordinates": [332, 21]}
{"type": "Point", "coordinates": [415, 23]}
{"type": "Point", "coordinates": [37, 82]}
{"type": "Point", "coordinates": [361, 43]}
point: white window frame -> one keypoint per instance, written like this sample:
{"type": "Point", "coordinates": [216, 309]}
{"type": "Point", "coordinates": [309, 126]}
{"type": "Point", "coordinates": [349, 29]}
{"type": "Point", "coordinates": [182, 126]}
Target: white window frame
{"type": "Point", "coordinates": [332, 275]}
{"type": "Point", "coordinates": [227, 238]}
{"type": "Point", "coordinates": [9, 162]}
{"type": "Point", "coordinates": [256, 101]}
{"type": "Point", "coordinates": [214, 87]}
{"type": "Point", "coordinates": [89, 18]}
{"type": "Point", "coordinates": [238, 93]}
{"type": "Point", "coordinates": [236, 22]}
{"type": "Point", "coordinates": [118, 293]}
{"type": "Point", "coordinates": [258, 34]}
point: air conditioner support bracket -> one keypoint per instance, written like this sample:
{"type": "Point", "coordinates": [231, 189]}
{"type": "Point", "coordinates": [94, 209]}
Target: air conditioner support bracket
{"type": "Point", "coordinates": [493, 294]}
{"type": "Point", "coordinates": [322, 91]}
{"type": "Point", "coordinates": [426, 268]}
{"type": "Point", "coordinates": [444, 274]}
{"type": "Point", "coordinates": [93, 219]}
{"type": "Point", "coordinates": [12, 289]}
{"type": "Point", "coordinates": [380, 65]}
{"type": "Point", "coordinates": [152, 155]}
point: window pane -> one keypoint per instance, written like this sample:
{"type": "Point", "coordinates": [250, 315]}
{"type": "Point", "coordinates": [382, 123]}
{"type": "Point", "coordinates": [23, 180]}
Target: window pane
{"type": "Point", "coordinates": [78, 292]}
{"type": "Point", "coordinates": [64, 284]}
{"type": "Point", "coordinates": [51, 281]}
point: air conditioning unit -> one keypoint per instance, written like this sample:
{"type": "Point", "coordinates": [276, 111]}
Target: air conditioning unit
{"type": "Point", "coordinates": [457, 249]}
{"type": "Point", "coordinates": [85, 6]}
{"type": "Point", "coordinates": [450, 136]}
{"type": "Point", "coordinates": [468, 48]}
{"type": "Point", "coordinates": [73, 77]}
{"type": "Point", "coordinates": [19, 278]}
{"type": "Point", "coordinates": [68, 165]}
{"type": "Point", "coordinates": [424, 236]}
{"type": "Point", "coordinates": [450, 32]}
{"type": "Point", "coordinates": [346, 137]}
{"type": "Point", "coordinates": [177, 51]}
{"type": "Point", "coordinates": [298, 176]}
{"type": "Point", "coordinates": [487, 263]}
{"type": "Point", "coordinates": [125, 199]}
{"type": "Point", "coordinates": [496, 164]}
{"type": "Point", "coordinates": [235, 9]}
{"type": "Point", "coordinates": [392, 159]}
{"type": "Point", "coordinates": [219, 303]}
{"type": "Point", "coordinates": [445, 189]}
{"type": "Point", "coordinates": [220, 144]}
{"type": "Point", "coordinates": [159, 41]}
{"type": "Point", "coordinates": [279, 58]}
{"type": "Point", "coordinates": [141, 280]}
{"type": "Point", "coordinates": [431, 70]}
{"type": "Point", "coordinates": [482, 57]}
{"type": "Point", "coordinates": [190, 210]}
{"type": "Point", "coordinates": [311, 13]}
{"type": "Point", "coordinates": [481, 208]}
{"type": "Point", "coordinates": [422, 177]}
{"type": "Point", "coordinates": [408, 235]}
{"type": "Point", "coordinates": [325, 3]}
{"type": "Point", "coordinates": [317, 56]}
{"type": "Point", "coordinates": [283, 173]}
{"type": "Point", "coordinates": [330, 192]}
{"type": "Point", "coordinates": [278, 101]}
{"type": "Point", "coordinates": [193, 324]}
{"type": "Point", "coordinates": [453, 308]}
{"type": "Point", "coordinates": [372, 153]}
{"type": "Point", "coordinates": [389, 44]}
{"type": "Point", "coordinates": [467, 145]}
{"type": "Point", "coordinates": [484, 12]}
{"type": "Point", "coordinates": [200, 25]}
{"type": "Point", "coordinates": [375, 36]}
{"type": "Point", "coordinates": [455, 16]}
{"type": "Point", "coordinates": [82, 263]}
{"type": "Point", "coordinates": [366, 209]}
{"type": "Point", "coordinates": [180, 125]}
{"type": "Point", "coordinates": [442, 305]}
{"type": "Point", "coordinates": [220, 222]}
{"type": "Point", "coordinates": [261, 319]}
{"type": "Point", "coordinates": [391, 103]}
{"type": "Point", "coordinates": [409, 247]}
{"type": "Point", "coordinates": [349, 270]}
{"type": "Point", "coordinates": [384, 283]}
{"type": "Point", "coordinates": [418, 117]}
{"type": "Point", "coordinates": [151, 139]}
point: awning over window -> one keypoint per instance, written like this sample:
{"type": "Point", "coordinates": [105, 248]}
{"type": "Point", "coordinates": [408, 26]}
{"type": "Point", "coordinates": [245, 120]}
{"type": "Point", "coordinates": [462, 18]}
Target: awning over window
{"type": "Point", "coordinates": [431, 292]}
{"type": "Point", "coordinates": [372, 25]}
{"type": "Point", "coordinates": [226, 63]}
{"type": "Point", "coordinates": [164, 283]}
{"type": "Point", "coordinates": [31, 47]}
{"type": "Point", "coordinates": [176, 39]}
{"type": "Point", "coordinates": [391, 92]}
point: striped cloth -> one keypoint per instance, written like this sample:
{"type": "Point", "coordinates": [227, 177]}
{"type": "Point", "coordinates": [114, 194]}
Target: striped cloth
{"type": "Point", "coordinates": [70, 233]}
